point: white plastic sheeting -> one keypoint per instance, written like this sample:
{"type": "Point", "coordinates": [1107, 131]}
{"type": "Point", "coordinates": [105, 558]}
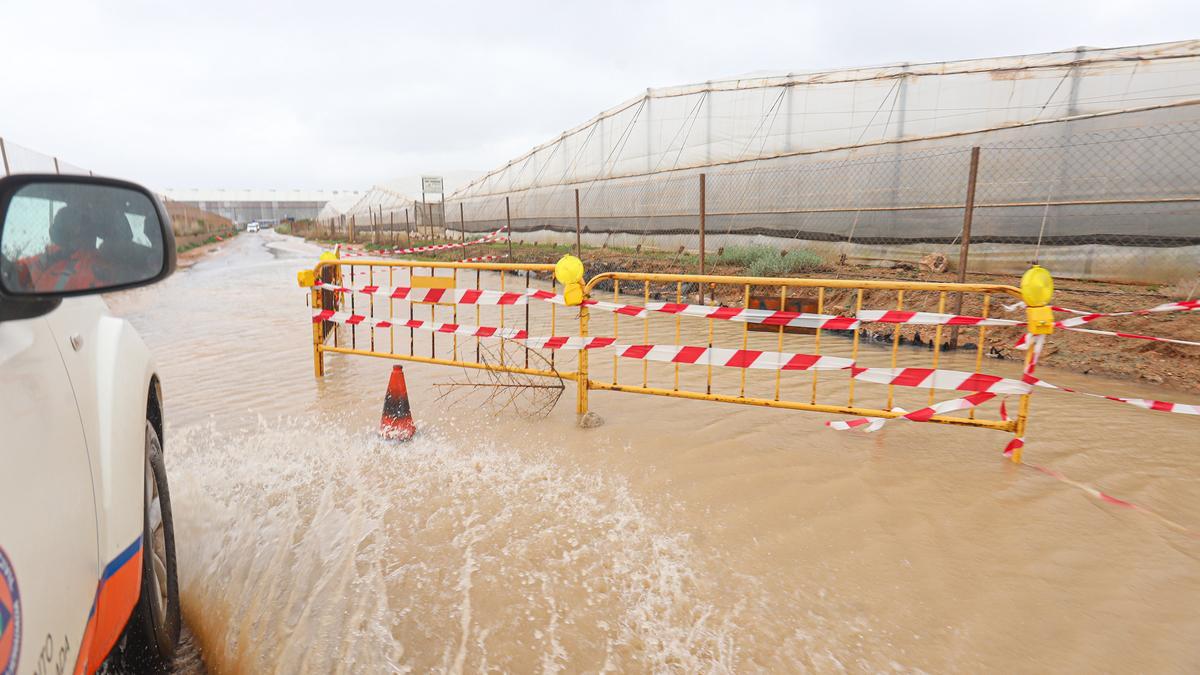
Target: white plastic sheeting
{"type": "Point", "coordinates": [769, 116]}
{"type": "Point", "coordinates": [1086, 147]}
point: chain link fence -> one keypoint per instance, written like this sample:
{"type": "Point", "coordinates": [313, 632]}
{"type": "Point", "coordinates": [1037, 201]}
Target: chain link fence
{"type": "Point", "coordinates": [1112, 197]}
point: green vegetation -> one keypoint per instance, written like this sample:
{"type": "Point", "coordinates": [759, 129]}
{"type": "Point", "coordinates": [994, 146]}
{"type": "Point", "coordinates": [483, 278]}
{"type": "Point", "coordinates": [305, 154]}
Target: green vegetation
{"type": "Point", "coordinates": [744, 256]}
{"type": "Point", "coordinates": [766, 261]}
{"type": "Point", "coordinates": [776, 265]}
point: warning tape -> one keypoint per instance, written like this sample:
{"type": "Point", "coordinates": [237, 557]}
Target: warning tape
{"type": "Point", "coordinates": [922, 415]}
{"type": "Point", "coordinates": [1022, 342]}
{"type": "Point", "coordinates": [458, 296]}
{"type": "Point", "coordinates": [494, 236]}
{"type": "Point", "coordinates": [766, 317]}
{"type": "Point", "coordinates": [732, 358]}
{"type": "Point", "coordinates": [936, 319]}
{"type": "Point", "coordinates": [483, 258]}
{"type": "Point", "coordinates": [1115, 501]}
{"type": "Point", "coordinates": [351, 319]}
{"type": "Point", "coordinates": [931, 319]}
{"type": "Point", "coordinates": [1145, 403]}
{"type": "Point", "coordinates": [728, 358]}
{"type": "Point", "coordinates": [488, 297]}
{"type": "Point", "coordinates": [930, 378]}
{"type": "Point", "coordinates": [926, 378]}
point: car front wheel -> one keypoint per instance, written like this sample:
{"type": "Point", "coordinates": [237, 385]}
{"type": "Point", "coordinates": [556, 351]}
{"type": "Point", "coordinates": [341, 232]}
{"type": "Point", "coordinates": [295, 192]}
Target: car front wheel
{"type": "Point", "coordinates": [153, 630]}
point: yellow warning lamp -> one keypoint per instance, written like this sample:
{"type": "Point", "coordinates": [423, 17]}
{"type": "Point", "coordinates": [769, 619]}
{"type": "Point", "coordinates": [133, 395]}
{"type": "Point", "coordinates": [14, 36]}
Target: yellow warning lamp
{"type": "Point", "coordinates": [569, 272]}
{"type": "Point", "coordinates": [1037, 287]}
{"type": "Point", "coordinates": [308, 278]}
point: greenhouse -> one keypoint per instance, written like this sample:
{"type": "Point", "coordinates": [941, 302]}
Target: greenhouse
{"type": "Point", "coordinates": [1085, 160]}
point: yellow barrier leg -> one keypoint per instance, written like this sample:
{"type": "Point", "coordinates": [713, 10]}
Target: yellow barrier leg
{"type": "Point", "coordinates": [581, 399]}
{"type": "Point", "coordinates": [318, 355]}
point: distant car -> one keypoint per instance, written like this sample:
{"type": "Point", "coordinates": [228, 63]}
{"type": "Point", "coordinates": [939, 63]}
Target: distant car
{"type": "Point", "coordinates": [252, 227]}
{"type": "Point", "coordinates": [87, 542]}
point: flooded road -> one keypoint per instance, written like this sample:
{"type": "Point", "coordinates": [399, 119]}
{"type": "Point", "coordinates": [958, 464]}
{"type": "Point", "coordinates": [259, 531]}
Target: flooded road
{"type": "Point", "coordinates": [681, 536]}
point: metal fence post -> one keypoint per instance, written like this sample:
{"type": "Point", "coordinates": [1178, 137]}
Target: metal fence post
{"type": "Point", "coordinates": [407, 228]}
{"type": "Point", "coordinates": [578, 227]}
{"type": "Point", "coordinates": [4, 156]}
{"type": "Point", "coordinates": [508, 226]}
{"type": "Point", "coordinates": [964, 248]}
{"type": "Point", "coordinates": [700, 291]}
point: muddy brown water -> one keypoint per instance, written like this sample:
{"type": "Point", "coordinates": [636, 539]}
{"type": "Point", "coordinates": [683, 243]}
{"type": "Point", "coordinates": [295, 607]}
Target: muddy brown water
{"type": "Point", "coordinates": [680, 536]}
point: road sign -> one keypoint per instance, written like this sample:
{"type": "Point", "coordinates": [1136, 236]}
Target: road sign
{"type": "Point", "coordinates": [431, 184]}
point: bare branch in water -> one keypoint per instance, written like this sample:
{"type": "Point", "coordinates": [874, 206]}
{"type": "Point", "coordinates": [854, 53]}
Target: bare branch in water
{"type": "Point", "coordinates": [529, 396]}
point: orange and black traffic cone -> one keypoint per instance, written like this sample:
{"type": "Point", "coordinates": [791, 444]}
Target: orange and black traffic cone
{"type": "Point", "coordinates": [397, 422]}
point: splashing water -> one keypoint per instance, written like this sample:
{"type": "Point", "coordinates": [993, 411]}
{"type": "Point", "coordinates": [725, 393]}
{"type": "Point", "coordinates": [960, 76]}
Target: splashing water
{"type": "Point", "coordinates": [307, 551]}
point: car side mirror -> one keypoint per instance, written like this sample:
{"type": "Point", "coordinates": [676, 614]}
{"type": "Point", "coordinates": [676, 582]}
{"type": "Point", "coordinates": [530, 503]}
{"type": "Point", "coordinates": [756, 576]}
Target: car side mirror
{"type": "Point", "coordinates": [62, 236]}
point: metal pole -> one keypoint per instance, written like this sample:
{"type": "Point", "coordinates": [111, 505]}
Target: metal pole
{"type": "Point", "coordinates": [462, 227]}
{"type": "Point", "coordinates": [407, 229]}
{"type": "Point", "coordinates": [964, 248]}
{"type": "Point", "coordinates": [508, 225]}
{"type": "Point", "coordinates": [702, 215]}
{"type": "Point", "coordinates": [392, 226]}
{"type": "Point", "coordinates": [578, 244]}
{"type": "Point", "coordinates": [351, 228]}
{"type": "Point", "coordinates": [4, 156]}
{"type": "Point", "coordinates": [56, 169]}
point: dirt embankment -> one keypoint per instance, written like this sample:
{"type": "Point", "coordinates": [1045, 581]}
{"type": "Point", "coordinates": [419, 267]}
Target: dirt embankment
{"type": "Point", "coordinates": [1162, 363]}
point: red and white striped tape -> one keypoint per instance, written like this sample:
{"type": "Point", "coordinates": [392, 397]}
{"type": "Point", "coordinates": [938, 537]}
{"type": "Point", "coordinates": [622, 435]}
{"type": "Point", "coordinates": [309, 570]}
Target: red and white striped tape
{"type": "Point", "coordinates": [1022, 343]}
{"type": "Point", "coordinates": [870, 424]}
{"type": "Point", "coordinates": [767, 360]}
{"type": "Point", "coordinates": [553, 342]}
{"type": "Point", "coordinates": [572, 343]}
{"type": "Point", "coordinates": [931, 318]}
{"type": "Point", "coordinates": [489, 297]}
{"type": "Point", "coordinates": [731, 358]}
{"type": "Point", "coordinates": [766, 317]}
{"type": "Point", "coordinates": [936, 319]}
{"type": "Point", "coordinates": [458, 296]}
{"type": "Point", "coordinates": [498, 235]}
{"type": "Point", "coordinates": [728, 358]}
{"type": "Point", "coordinates": [1013, 449]}
{"type": "Point", "coordinates": [351, 319]}
{"type": "Point", "coordinates": [1145, 403]}
{"type": "Point", "coordinates": [1179, 306]}
{"type": "Point", "coordinates": [483, 258]}
{"type": "Point", "coordinates": [929, 378]}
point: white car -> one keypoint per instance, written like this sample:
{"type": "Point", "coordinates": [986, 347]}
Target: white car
{"type": "Point", "coordinates": [252, 227]}
{"type": "Point", "coordinates": [87, 549]}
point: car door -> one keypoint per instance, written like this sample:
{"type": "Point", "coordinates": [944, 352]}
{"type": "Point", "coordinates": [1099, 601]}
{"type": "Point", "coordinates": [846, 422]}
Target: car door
{"type": "Point", "coordinates": [48, 537]}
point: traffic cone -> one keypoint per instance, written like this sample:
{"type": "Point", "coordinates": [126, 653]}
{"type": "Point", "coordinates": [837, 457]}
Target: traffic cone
{"type": "Point", "coordinates": [397, 422]}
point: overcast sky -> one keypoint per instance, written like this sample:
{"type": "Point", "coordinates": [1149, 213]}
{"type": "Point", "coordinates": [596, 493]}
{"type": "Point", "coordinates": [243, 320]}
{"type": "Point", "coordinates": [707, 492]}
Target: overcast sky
{"type": "Point", "coordinates": [243, 94]}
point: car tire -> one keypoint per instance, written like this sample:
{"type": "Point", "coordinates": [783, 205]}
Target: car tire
{"type": "Point", "coordinates": [153, 630]}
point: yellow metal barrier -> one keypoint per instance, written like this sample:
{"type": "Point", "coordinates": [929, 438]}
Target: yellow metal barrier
{"type": "Point", "coordinates": [852, 292]}
{"type": "Point", "coordinates": [421, 274]}
{"type": "Point", "coordinates": [830, 392]}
